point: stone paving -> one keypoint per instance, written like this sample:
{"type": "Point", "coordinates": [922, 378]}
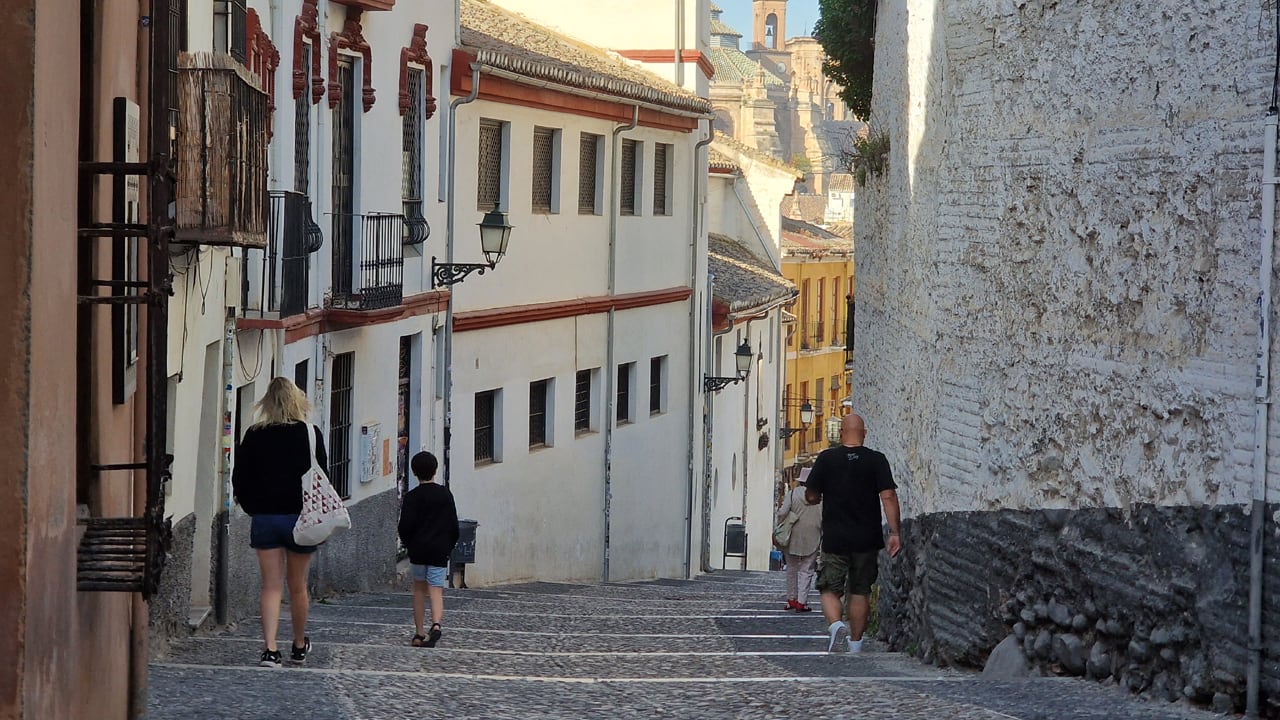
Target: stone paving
{"type": "Point", "coordinates": [715, 647]}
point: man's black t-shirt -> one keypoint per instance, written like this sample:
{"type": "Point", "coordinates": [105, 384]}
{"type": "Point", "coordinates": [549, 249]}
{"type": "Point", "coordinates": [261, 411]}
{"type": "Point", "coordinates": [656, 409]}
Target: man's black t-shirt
{"type": "Point", "coordinates": [850, 480]}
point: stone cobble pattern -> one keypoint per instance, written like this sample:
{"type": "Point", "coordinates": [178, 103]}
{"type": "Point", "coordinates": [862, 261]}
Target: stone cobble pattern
{"type": "Point", "coordinates": [718, 646]}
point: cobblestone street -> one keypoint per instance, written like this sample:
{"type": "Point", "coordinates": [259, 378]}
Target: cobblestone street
{"type": "Point", "coordinates": [718, 646]}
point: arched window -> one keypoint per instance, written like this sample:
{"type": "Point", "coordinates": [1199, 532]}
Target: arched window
{"type": "Point", "coordinates": [771, 32]}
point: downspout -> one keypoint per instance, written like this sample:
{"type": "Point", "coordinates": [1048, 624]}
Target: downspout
{"type": "Point", "coordinates": [679, 52]}
{"type": "Point", "coordinates": [696, 253]}
{"type": "Point", "coordinates": [224, 469]}
{"type": "Point", "coordinates": [1262, 405]}
{"type": "Point", "coordinates": [610, 416]}
{"type": "Point", "coordinates": [708, 416]}
{"type": "Point", "coordinates": [746, 435]}
{"type": "Point", "coordinates": [447, 385]}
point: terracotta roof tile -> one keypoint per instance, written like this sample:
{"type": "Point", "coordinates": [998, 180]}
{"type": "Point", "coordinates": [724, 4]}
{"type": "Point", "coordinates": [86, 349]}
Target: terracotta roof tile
{"type": "Point", "coordinates": [510, 42]}
{"type": "Point", "coordinates": [742, 280]}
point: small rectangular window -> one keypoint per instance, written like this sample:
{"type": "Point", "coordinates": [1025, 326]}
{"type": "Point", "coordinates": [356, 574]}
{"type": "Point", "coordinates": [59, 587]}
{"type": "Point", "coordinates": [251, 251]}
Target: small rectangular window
{"type": "Point", "coordinates": [661, 186]}
{"type": "Point", "coordinates": [624, 411]}
{"type": "Point", "coordinates": [301, 375]}
{"type": "Point", "coordinates": [589, 174]}
{"type": "Point", "coordinates": [657, 383]}
{"type": "Point", "coordinates": [582, 401]}
{"type": "Point", "coordinates": [629, 171]}
{"type": "Point", "coordinates": [489, 165]}
{"type": "Point", "coordinates": [486, 427]}
{"type": "Point", "coordinates": [545, 170]}
{"type": "Point", "coordinates": [538, 417]}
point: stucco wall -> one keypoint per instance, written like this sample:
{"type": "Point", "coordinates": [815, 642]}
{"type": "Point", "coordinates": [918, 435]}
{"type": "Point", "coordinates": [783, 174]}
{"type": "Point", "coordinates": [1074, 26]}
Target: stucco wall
{"type": "Point", "coordinates": [1057, 275]}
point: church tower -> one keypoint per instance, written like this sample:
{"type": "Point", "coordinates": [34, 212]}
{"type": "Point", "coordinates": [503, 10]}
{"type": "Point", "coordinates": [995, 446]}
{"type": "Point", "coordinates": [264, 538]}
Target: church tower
{"type": "Point", "coordinates": [770, 26]}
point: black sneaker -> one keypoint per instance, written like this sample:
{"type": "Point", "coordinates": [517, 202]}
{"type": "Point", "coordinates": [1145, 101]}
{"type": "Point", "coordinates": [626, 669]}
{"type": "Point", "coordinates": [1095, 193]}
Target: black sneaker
{"type": "Point", "coordinates": [299, 654]}
{"type": "Point", "coordinates": [270, 658]}
{"type": "Point", "coordinates": [433, 635]}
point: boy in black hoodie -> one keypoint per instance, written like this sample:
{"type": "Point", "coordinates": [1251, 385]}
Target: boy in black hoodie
{"type": "Point", "coordinates": [429, 529]}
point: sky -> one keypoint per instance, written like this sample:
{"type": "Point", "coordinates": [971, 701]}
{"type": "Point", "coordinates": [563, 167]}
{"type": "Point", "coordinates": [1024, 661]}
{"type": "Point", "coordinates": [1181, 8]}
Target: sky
{"type": "Point", "coordinates": [801, 16]}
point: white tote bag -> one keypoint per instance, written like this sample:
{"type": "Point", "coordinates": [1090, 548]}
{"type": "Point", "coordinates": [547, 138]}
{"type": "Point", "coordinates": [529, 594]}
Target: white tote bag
{"type": "Point", "coordinates": [322, 510]}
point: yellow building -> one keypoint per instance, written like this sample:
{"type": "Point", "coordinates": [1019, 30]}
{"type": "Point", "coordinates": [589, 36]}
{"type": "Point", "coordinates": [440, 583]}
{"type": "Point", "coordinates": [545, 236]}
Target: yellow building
{"type": "Point", "coordinates": [820, 264]}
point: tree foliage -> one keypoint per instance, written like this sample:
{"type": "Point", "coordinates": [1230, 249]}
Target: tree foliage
{"type": "Point", "coordinates": [846, 30]}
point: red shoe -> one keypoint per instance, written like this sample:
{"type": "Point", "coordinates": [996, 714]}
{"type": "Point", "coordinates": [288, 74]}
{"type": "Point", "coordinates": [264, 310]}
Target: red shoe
{"type": "Point", "coordinates": [801, 607]}
{"type": "Point", "coordinates": [793, 605]}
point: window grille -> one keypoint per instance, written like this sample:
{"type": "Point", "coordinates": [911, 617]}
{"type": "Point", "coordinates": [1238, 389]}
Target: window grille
{"type": "Point", "coordinates": [588, 180]}
{"type": "Point", "coordinates": [415, 225]}
{"type": "Point", "coordinates": [238, 26]}
{"type": "Point", "coordinates": [484, 426]}
{"type": "Point", "coordinates": [343, 173]}
{"type": "Point", "coordinates": [582, 402]}
{"type": "Point", "coordinates": [538, 413]}
{"type": "Point", "coordinates": [624, 393]}
{"type": "Point", "coordinates": [661, 158]}
{"type": "Point", "coordinates": [489, 172]}
{"type": "Point", "coordinates": [340, 423]}
{"type": "Point", "coordinates": [543, 168]}
{"type": "Point", "coordinates": [628, 206]}
{"type": "Point", "coordinates": [302, 133]}
{"type": "Point", "coordinates": [656, 367]}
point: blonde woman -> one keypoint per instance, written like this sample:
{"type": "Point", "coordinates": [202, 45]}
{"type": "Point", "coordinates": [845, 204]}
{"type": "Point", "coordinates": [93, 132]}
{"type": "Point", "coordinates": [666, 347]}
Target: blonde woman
{"type": "Point", "coordinates": [267, 481]}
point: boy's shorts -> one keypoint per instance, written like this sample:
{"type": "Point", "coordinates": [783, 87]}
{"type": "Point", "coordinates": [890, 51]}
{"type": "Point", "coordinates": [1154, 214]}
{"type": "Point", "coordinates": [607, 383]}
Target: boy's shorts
{"type": "Point", "coordinates": [848, 573]}
{"type": "Point", "coordinates": [268, 532]}
{"type": "Point", "coordinates": [429, 574]}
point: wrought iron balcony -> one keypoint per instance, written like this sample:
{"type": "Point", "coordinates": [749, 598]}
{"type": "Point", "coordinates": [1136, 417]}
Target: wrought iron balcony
{"type": "Point", "coordinates": [276, 280]}
{"type": "Point", "coordinates": [368, 260]}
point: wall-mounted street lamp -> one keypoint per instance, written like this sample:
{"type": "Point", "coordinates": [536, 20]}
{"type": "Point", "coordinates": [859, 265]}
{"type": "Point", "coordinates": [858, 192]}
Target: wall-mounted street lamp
{"type": "Point", "coordinates": [806, 419]}
{"type": "Point", "coordinates": [495, 231]}
{"type": "Point", "coordinates": [742, 358]}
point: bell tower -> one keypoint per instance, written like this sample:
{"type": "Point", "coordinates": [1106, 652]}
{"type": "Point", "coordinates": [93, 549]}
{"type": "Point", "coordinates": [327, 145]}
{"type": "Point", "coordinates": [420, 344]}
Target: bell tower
{"type": "Point", "coordinates": [770, 25]}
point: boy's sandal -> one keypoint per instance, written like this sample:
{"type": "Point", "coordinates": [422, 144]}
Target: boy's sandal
{"type": "Point", "coordinates": [418, 641]}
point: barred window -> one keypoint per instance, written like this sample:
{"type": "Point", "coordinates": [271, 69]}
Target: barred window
{"type": "Point", "coordinates": [657, 381]}
{"type": "Point", "coordinates": [302, 131]}
{"type": "Point", "coordinates": [582, 402]}
{"type": "Point", "coordinates": [589, 174]}
{"type": "Point", "coordinates": [411, 144]}
{"type": "Point", "coordinates": [489, 170]}
{"type": "Point", "coordinates": [340, 423]}
{"type": "Point", "coordinates": [538, 419]}
{"type": "Point", "coordinates": [629, 167]}
{"type": "Point", "coordinates": [661, 188]}
{"type": "Point", "coordinates": [545, 166]}
{"type": "Point", "coordinates": [486, 405]}
{"type": "Point", "coordinates": [625, 373]}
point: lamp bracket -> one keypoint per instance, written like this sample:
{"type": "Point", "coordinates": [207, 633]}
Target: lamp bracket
{"type": "Point", "coordinates": [711, 383]}
{"type": "Point", "coordinates": [446, 274]}
{"type": "Point", "coordinates": [784, 433]}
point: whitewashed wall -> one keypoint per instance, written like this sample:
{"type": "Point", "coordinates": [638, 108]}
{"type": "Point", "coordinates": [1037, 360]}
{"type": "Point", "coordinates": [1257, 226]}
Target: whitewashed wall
{"type": "Point", "coordinates": [542, 511]}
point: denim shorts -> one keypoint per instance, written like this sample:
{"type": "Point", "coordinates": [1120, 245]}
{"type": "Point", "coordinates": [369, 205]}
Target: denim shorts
{"type": "Point", "coordinates": [268, 532]}
{"type": "Point", "coordinates": [429, 574]}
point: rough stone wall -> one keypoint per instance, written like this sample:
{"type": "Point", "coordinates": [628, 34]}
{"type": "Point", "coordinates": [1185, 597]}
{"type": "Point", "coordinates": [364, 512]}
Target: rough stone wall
{"type": "Point", "coordinates": [170, 606]}
{"type": "Point", "coordinates": [1057, 279]}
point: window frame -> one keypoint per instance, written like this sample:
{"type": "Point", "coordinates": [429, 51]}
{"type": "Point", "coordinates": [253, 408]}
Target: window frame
{"type": "Point", "coordinates": [624, 395]}
{"type": "Point", "coordinates": [662, 173]}
{"type": "Point", "coordinates": [541, 413]}
{"type": "Point", "coordinates": [596, 163]}
{"type": "Point", "coordinates": [487, 199]}
{"type": "Point", "coordinates": [341, 396]}
{"type": "Point", "coordinates": [551, 171]}
{"type": "Point", "coordinates": [658, 385]}
{"type": "Point", "coordinates": [629, 200]}
{"type": "Point", "coordinates": [487, 450]}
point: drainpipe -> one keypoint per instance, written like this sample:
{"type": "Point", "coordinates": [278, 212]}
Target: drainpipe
{"type": "Point", "coordinates": [1262, 404]}
{"type": "Point", "coordinates": [610, 416]}
{"type": "Point", "coordinates": [220, 579]}
{"type": "Point", "coordinates": [708, 417]}
{"type": "Point", "coordinates": [447, 385]}
{"type": "Point", "coordinates": [746, 436]}
{"type": "Point", "coordinates": [679, 50]}
{"type": "Point", "coordinates": [696, 253]}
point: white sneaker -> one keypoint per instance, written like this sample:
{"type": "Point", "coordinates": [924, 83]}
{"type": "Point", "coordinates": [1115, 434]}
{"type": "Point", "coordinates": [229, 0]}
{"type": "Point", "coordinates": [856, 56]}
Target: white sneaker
{"type": "Point", "coordinates": [839, 637]}
{"type": "Point", "coordinates": [855, 646]}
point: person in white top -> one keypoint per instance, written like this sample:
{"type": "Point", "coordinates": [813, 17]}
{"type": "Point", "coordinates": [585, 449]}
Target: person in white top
{"type": "Point", "coordinates": [802, 547]}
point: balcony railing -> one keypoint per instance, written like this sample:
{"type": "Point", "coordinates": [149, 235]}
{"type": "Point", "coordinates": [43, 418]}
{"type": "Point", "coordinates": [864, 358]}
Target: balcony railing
{"type": "Point", "coordinates": [277, 280]}
{"type": "Point", "coordinates": [369, 272]}
{"type": "Point", "coordinates": [821, 336]}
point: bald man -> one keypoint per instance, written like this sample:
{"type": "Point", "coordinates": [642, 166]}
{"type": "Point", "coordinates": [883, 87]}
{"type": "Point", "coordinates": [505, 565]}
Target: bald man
{"type": "Point", "coordinates": [853, 482]}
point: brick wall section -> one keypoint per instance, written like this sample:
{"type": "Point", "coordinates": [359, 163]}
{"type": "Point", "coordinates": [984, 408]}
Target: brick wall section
{"type": "Point", "coordinates": [1057, 274]}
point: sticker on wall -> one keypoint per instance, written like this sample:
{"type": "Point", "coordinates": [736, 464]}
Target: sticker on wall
{"type": "Point", "coordinates": [370, 452]}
